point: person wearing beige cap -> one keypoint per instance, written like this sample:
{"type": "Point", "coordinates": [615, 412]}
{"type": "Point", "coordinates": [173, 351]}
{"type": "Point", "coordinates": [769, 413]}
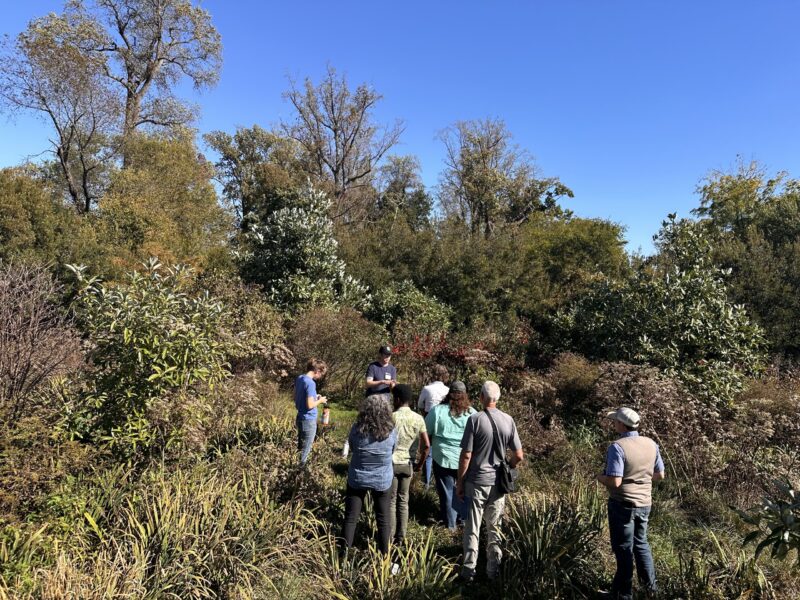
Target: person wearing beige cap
{"type": "Point", "coordinates": [633, 462]}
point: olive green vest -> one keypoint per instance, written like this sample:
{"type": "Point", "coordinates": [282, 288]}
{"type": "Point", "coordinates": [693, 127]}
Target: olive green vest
{"type": "Point", "coordinates": [637, 478]}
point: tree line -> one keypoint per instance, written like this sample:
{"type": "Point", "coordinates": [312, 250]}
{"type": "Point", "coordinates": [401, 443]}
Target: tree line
{"type": "Point", "coordinates": [309, 207]}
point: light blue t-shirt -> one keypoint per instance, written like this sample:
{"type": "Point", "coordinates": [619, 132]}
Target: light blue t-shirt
{"type": "Point", "coordinates": [305, 387]}
{"type": "Point", "coordinates": [446, 432]}
{"type": "Point", "coordinates": [371, 464]}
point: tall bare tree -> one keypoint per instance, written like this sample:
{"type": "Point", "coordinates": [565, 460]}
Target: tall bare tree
{"type": "Point", "coordinates": [488, 180]}
{"type": "Point", "coordinates": [336, 128]}
{"type": "Point", "coordinates": [48, 70]}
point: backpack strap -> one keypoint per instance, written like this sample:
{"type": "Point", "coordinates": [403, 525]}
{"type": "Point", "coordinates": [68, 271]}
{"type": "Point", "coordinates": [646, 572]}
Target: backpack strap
{"type": "Point", "coordinates": [496, 438]}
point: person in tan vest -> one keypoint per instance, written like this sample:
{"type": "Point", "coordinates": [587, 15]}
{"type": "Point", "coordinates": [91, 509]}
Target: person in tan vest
{"type": "Point", "coordinates": [633, 463]}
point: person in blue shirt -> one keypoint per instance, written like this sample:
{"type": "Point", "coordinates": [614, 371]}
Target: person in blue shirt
{"type": "Point", "coordinates": [381, 374]}
{"type": "Point", "coordinates": [306, 401]}
{"type": "Point", "coordinates": [373, 439]}
{"type": "Point", "coordinates": [633, 463]}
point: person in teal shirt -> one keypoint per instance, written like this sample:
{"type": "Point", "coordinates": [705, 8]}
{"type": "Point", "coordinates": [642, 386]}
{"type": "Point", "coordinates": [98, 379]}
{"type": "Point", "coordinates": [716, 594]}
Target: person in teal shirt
{"type": "Point", "coordinates": [445, 424]}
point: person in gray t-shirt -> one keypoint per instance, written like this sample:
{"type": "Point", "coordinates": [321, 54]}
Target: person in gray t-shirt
{"type": "Point", "coordinates": [477, 478]}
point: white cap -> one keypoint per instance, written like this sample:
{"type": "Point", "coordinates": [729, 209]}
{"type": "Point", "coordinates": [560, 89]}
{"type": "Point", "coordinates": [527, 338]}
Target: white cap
{"type": "Point", "coordinates": [626, 416]}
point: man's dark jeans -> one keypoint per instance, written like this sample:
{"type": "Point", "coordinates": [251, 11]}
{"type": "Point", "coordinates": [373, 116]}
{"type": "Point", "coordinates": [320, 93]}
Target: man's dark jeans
{"type": "Point", "coordinates": [628, 527]}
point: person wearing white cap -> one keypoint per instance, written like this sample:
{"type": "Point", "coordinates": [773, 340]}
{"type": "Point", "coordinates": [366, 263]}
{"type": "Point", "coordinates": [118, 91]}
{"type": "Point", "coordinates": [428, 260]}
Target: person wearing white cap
{"type": "Point", "coordinates": [633, 462]}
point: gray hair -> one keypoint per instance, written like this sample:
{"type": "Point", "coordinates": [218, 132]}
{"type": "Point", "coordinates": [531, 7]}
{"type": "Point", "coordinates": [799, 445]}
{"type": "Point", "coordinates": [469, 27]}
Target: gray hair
{"type": "Point", "coordinates": [375, 417]}
{"type": "Point", "coordinates": [491, 391]}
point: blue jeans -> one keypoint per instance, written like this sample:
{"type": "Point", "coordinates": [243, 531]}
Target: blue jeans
{"type": "Point", "coordinates": [446, 487]}
{"type": "Point", "coordinates": [428, 470]}
{"type": "Point", "coordinates": [628, 528]}
{"type": "Point", "coordinates": [306, 431]}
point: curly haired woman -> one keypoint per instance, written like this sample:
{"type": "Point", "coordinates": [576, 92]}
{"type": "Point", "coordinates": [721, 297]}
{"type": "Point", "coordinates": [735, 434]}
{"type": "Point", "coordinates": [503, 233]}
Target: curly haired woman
{"type": "Point", "coordinates": [373, 439]}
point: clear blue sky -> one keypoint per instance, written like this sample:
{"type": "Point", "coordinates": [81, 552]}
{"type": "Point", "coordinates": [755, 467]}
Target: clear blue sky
{"type": "Point", "coordinates": [630, 103]}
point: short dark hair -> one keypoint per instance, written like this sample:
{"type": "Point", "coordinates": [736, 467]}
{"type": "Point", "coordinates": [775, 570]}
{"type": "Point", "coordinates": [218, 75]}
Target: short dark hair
{"type": "Point", "coordinates": [315, 364]}
{"type": "Point", "coordinates": [402, 394]}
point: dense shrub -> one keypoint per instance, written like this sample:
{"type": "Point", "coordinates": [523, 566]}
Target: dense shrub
{"type": "Point", "coordinates": [686, 429]}
{"type": "Point", "coordinates": [36, 225]}
{"type": "Point", "coordinates": [149, 340]}
{"type": "Point", "coordinates": [343, 338]}
{"type": "Point", "coordinates": [403, 301]}
{"type": "Point", "coordinates": [573, 379]}
{"type": "Point", "coordinates": [253, 330]}
{"type": "Point", "coordinates": [676, 317]}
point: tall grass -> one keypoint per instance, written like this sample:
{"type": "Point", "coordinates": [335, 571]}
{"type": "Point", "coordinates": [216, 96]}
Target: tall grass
{"type": "Point", "coordinates": [422, 573]}
{"type": "Point", "coordinates": [549, 544]}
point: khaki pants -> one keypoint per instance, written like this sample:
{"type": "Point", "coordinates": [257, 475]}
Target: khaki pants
{"type": "Point", "coordinates": [486, 503]}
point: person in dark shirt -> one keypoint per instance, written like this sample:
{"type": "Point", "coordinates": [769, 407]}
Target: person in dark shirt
{"type": "Point", "coordinates": [381, 375]}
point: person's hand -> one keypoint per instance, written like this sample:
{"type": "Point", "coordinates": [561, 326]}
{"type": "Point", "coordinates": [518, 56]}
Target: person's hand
{"type": "Point", "coordinates": [460, 490]}
{"type": "Point", "coordinates": [321, 400]}
{"type": "Point", "coordinates": [417, 467]}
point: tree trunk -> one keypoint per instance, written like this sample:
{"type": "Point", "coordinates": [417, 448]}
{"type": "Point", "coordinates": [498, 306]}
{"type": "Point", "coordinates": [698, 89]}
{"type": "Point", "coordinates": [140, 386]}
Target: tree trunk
{"type": "Point", "coordinates": [72, 188]}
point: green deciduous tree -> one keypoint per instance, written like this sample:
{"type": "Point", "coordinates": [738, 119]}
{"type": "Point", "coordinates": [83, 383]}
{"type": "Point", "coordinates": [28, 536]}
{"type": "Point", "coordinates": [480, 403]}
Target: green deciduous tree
{"type": "Point", "coordinates": [260, 171]}
{"type": "Point", "coordinates": [674, 314]}
{"type": "Point", "coordinates": [489, 181]}
{"type": "Point", "coordinates": [48, 70]}
{"type": "Point", "coordinates": [151, 45]}
{"type": "Point", "coordinates": [755, 220]}
{"type": "Point", "coordinates": [163, 204]}
{"type": "Point", "coordinates": [401, 192]}
{"type": "Point", "coordinates": [100, 72]}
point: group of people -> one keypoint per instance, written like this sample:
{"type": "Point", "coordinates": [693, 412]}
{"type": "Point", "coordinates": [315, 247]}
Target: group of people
{"type": "Point", "coordinates": [464, 452]}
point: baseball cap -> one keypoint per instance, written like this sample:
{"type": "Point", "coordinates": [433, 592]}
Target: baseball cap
{"type": "Point", "coordinates": [626, 416]}
{"type": "Point", "coordinates": [385, 350]}
{"type": "Point", "coordinates": [458, 386]}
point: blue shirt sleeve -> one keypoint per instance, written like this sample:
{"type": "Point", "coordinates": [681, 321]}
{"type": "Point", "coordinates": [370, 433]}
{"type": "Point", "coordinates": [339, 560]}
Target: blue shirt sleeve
{"type": "Point", "coordinates": [371, 371]}
{"type": "Point", "coordinates": [615, 461]}
{"type": "Point", "coordinates": [659, 462]}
